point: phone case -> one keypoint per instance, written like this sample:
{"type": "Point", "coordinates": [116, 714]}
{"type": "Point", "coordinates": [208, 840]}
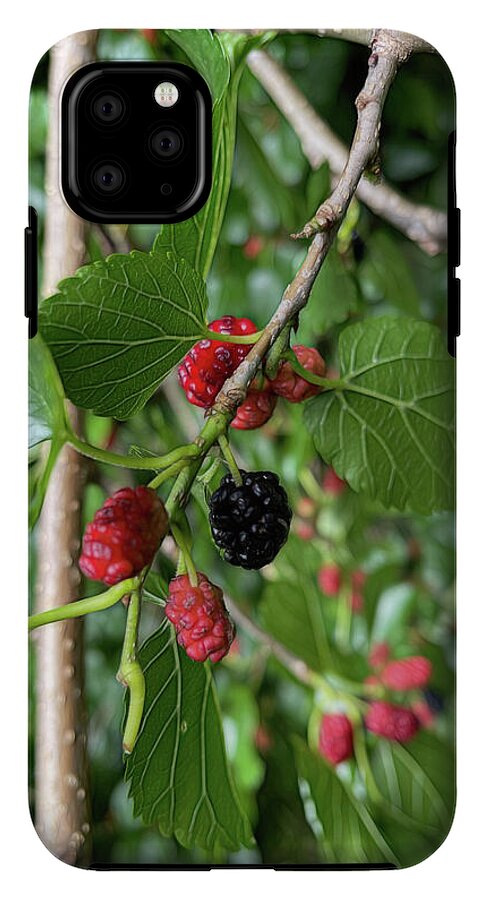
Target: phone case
{"type": "Point", "coordinates": [242, 533]}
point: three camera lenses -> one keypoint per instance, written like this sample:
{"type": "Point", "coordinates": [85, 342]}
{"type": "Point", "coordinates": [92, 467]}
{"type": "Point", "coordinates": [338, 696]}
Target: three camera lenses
{"type": "Point", "coordinates": [136, 142]}
{"type": "Point", "coordinates": [166, 144]}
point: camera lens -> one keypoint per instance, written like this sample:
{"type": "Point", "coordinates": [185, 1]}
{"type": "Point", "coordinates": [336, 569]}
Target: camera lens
{"type": "Point", "coordinates": [108, 108]}
{"type": "Point", "coordinates": [108, 178]}
{"type": "Point", "coordinates": [167, 143]}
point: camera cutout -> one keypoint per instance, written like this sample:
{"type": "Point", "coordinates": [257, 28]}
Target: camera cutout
{"type": "Point", "coordinates": [108, 178]}
{"type": "Point", "coordinates": [167, 144]}
{"type": "Point", "coordinates": [136, 142]}
{"type": "Point", "coordinates": [108, 108]}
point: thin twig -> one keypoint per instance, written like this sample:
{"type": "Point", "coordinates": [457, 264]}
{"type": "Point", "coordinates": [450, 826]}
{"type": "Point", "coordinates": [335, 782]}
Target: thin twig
{"type": "Point", "coordinates": [296, 666]}
{"type": "Point", "coordinates": [422, 224]}
{"type": "Point", "coordinates": [411, 43]}
{"type": "Point", "coordinates": [363, 36]}
{"type": "Point", "coordinates": [387, 54]}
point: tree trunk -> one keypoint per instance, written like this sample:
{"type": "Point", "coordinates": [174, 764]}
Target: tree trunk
{"type": "Point", "coordinates": [62, 814]}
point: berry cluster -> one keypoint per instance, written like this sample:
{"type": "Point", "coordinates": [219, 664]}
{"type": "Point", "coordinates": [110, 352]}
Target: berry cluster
{"type": "Point", "coordinates": [123, 538]}
{"type": "Point", "coordinates": [124, 535]}
{"type": "Point", "coordinates": [385, 719]}
{"type": "Point", "coordinates": [201, 621]}
{"type": "Point", "coordinates": [411, 673]}
{"type": "Point", "coordinates": [249, 520]}
{"type": "Point", "coordinates": [388, 720]}
{"type": "Point", "coordinates": [207, 365]}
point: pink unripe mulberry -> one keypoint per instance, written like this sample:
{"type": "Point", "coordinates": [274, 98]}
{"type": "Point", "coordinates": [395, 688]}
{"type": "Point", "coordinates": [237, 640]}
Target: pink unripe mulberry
{"type": "Point", "coordinates": [335, 739]}
{"type": "Point", "coordinates": [201, 620]}
{"type": "Point", "coordinates": [407, 674]}
{"type": "Point", "coordinates": [397, 723]}
{"type": "Point", "coordinates": [329, 579]}
{"type": "Point", "coordinates": [292, 386]}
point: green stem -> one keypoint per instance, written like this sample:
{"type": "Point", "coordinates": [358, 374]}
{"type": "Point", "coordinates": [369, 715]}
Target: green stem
{"type": "Point", "coordinates": [324, 383]}
{"type": "Point", "coordinates": [83, 607]}
{"type": "Point", "coordinates": [363, 763]}
{"type": "Point", "coordinates": [215, 426]}
{"type": "Point", "coordinates": [130, 673]}
{"type": "Point", "coordinates": [372, 691]}
{"type": "Point", "coordinates": [229, 457]}
{"type": "Point", "coordinates": [310, 484]}
{"type": "Point", "coordinates": [233, 338]}
{"type": "Point", "coordinates": [181, 564]}
{"type": "Point", "coordinates": [184, 548]}
{"type": "Point", "coordinates": [168, 473]}
{"type": "Point", "coordinates": [313, 728]}
{"type": "Point", "coordinates": [343, 621]}
{"type": "Point", "coordinates": [133, 462]}
{"type": "Point", "coordinates": [280, 346]}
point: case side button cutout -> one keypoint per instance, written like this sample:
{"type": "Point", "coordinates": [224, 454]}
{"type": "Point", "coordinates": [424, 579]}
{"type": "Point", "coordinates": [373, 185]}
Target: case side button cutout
{"type": "Point", "coordinates": [31, 272]}
{"type": "Point", "coordinates": [453, 250]}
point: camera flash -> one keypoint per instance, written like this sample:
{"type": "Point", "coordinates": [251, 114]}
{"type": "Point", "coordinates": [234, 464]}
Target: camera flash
{"type": "Point", "coordinates": [166, 94]}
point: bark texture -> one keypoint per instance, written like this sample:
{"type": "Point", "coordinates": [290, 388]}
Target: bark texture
{"type": "Point", "coordinates": [389, 50]}
{"type": "Point", "coordinates": [62, 816]}
{"type": "Point", "coordinates": [426, 226]}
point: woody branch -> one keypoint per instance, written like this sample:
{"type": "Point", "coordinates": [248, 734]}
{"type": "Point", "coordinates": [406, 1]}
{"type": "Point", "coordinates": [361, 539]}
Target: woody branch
{"type": "Point", "coordinates": [388, 51]}
{"type": "Point", "coordinates": [420, 223]}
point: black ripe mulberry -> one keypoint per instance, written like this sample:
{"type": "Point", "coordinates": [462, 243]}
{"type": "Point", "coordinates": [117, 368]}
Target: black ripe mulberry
{"type": "Point", "coordinates": [250, 522]}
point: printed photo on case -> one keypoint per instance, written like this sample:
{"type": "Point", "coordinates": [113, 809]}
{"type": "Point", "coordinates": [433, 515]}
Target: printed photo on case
{"type": "Point", "coordinates": [241, 475]}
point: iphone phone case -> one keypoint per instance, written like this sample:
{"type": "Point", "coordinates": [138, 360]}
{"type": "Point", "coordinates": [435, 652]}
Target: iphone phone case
{"type": "Point", "coordinates": [241, 690]}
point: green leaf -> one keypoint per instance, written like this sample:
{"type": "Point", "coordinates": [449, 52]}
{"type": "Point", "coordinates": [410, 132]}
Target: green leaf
{"type": "Point", "coordinates": [47, 415]}
{"type": "Point", "coordinates": [344, 825]}
{"type": "Point", "coordinates": [196, 239]}
{"type": "Point", "coordinates": [418, 779]}
{"type": "Point", "coordinates": [39, 481]}
{"type": "Point", "coordinates": [335, 295]}
{"type": "Point", "coordinates": [292, 605]}
{"type": "Point", "coordinates": [388, 426]}
{"type": "Point", "coordinates": [392, 612]}
{"type": "Point", "coordinates": [220, 59]}
{"type": "Point", "coordinates": [385, 578]}
{"type": "Point", "coordinates": [178, 770]}
{"type": "Point", "coordinates": [284, 835]}
{"type": "Point", "coordinates": [47, 421]}
{"type": "Point", "coordinates": [241, 717]}
{"type": "Point", "coordinates": [317, 188]}
{"type": "Point", "coordinates": [207, 55]}
{"type": "Point", "coordinates": [265, 188]}
{"type": "Point", "coordinates": [119, 326]}
{"type": "Point", "coordinates": [385, 274]}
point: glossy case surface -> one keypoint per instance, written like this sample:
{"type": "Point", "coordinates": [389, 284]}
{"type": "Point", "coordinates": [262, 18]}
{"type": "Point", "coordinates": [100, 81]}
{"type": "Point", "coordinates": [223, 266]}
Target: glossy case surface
{"type": "Point", "coordinates": [319, 730]}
